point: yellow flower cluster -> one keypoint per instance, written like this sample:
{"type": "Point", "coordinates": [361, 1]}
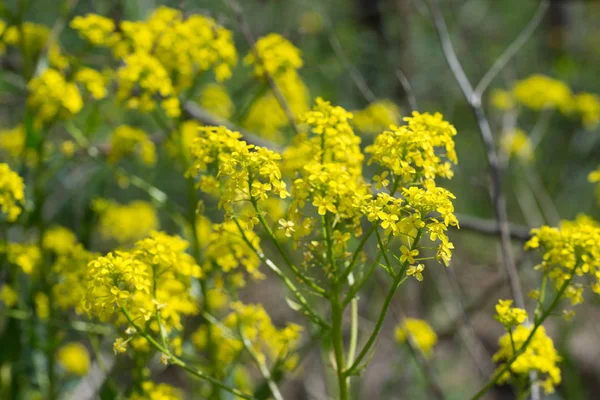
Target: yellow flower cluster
{"type": "Point", "coordinates": [152, 391]}
{"type": "Point", "coordinates": [233, 169]}
{"type": "Point", "coordinates": [125, 223]}
{"type": "Point", "coordinates": [96, 29]}
{"type": "Point", "coordinates": [93, 81]}
{"type": "Point", "coordinates": [588, 106]}
{"type": "Point", "coordinates": [421, 334]}
{"type": "Point", "coordinates": [509, 316]}
{"type": "Point", "coordinates": [68, 257]}
{"type": "Point", "coordinates": [12, 193]}
{"type": "Point", "coordinates": [154, 277]}
{"type": "Point", "coordinates": [12, 141]}
{"type": "Point", "coordinates": [31, 36]}
{"type": "Point", "coordinates": [74, 358]}
{"type": "Point", "coordinates": [516, 143]}
{"type": "Point", "coordinates": [377, 116]}
{"type": "Point", "coordinates": [25, 256]}
{"type": "Point", "coordinates": [226, 249]}
{"type": "Point", "coordinates": [539, 356]}
{"type": "Point", "coordinates": [141, 80]}
{"type": "Point", "coordinates": [9, 296]}
{"type": "Point", "coordinates": [539, 92]}
{"type": "Point", "coordinates": [214, 98]}
{"type": "Point", "coordinates": [127, 140]}
{"type": "Point", "coordinates": [275, 55]}
{"type": "Point", "coordinates": [251, 322]}
{"type": "Point", "coordinates": [266, 117]}
{"type": "Point", "coordinates": [424, 148]}
{"type": "Point", "coordinates": [571, 249]}
{"type": "Point", "coordinates": [52, 96]}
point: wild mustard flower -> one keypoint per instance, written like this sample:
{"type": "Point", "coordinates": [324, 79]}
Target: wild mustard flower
{"type": "Point", "coordinates": [539, 92]}
{"type": "Point", "coordinates": [241, 171]}
{"type": "Point", "coordinates": [420, 332]}
{"type": "Point", "coordinates": [25, 256]}
{"type": "Point", "coordinates": [516, 143]}
{"type": "Point", "coordinates": [377, 116]}
{"type": "Point", "coordinates": [275, 55]}
{"type": "Point", "coordinates": [12, 193]}
{"type": "Point", "coordinates": [267, 118]}
{"type": "Point", "coordinates": [31, 36]}
{"type": "Point", "coordinates": [509, 316]}
{"type": "Point", "coordinates": [569, 250]}
{"type": "Point", "coordinates": [58, 239]}
{"type": "Point", "coordinates": [127, 140]}
{"type": "Point", "coordinates": [94, 82]}
{"type": "Point", "coordinates": [422, 148]}
{"type": "Point", "coordinates": [588, 106]}
{"type": "Point", "coordinates": [52, 96]}
{"type": "Point", "coordinates": [214, 98]}
{"type": "Point", "coordinates": [12, 141]}
{"type": "Point", "coordinates": [125, 223]}
{"type": "Point", "coordinates": [94, 28]}
{"type": "Point", "coordinates": [8, 295]}
{"type": "Point", "coordinates": [74, 358]}
{"type": "Point", "coordinates": [156, 391]}
{"type": "Point", "coordinates": [502, 100]}
{"type": "Point", "coordinates": [143, 81]}
{"type": "Point", "coordinates": [253, 322]}
{"type": "Point", "coordinates": [539, 356]}
{"type": "Point", "coordinates": [42, 305]}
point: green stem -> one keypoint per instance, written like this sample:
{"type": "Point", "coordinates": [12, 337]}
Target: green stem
{"type": "Point", "coordinates": [522, 349]}
{"type": "Point", "coordinates": [285, 257]}
{"type": "Point", "coordinates": [308, 310]}
{"type": "Point", "coordinates": [386, 304]}
{"type": "Point", "coordinates": [337, 312]}
{"type": "Point", "coordinates": [177, 361]}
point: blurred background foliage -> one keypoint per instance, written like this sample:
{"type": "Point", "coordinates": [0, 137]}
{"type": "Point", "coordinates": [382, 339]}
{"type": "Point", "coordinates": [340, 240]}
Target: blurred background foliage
{"type": "Point", "coordinates": [349, 44]}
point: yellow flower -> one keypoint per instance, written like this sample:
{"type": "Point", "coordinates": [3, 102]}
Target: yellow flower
{"type": "Point", "coordinates": [11, 193]}
{"type": "Point", "coordinates": [59, 239]}
{"type": "Point", "coordinates": [125, 223]}
{"type": "Point", "coordinates": [502, 100]}
{"type": "Point", "coordinates": [127, 140]}
{"type": "Point", "coordinates": [509, 316]}
{"type": "Point", "coordinates": [408, 255]}
{"type": "Point", "coordinates": [68, 148]}
{"type": "Point", "coordinates": [52, 96]}
{"type": "Point", "coordinates": [377, 116]}
{"type": "Point", "coordinates": [588, 106]}
{"type": "Point", "coordinates": [416, 271]}
{"type": "Point", "coordinates": [215, 99]}
{"type": "Point", "coordinates": [420, 332]}
{"type": "Point", "coordinates": [93, 81]}
{"type": "Point", "coordinates": [9, 296]}
{"type": "Point", "coordinates": [74, 358]}
{"type": "Point", "coordinates": [153, 391]}
{"type": "Point", "coordinates": [42, 306]}
{"type": "Point", "coordinates": [275, 55]}
{"type": "Point", "coordinates": [539, 356]}
{"type": "Point", "coordinates": [95, 28]}
{"type": "Point", "coordinates": [539, 92]}
{"type": "Point", "coordinates": [517, 143]}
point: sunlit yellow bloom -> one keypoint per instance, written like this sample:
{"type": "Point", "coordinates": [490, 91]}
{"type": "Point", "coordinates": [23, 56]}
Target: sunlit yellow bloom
{"type": "Point", "coordinates": [8, 295]}
{"type": "Point", "coordinates": [153, 391]}
{"type": "Point", "coordinates": [275, 55]}
{"type": "Point", "coordinates": [52, 96]}
{"type": "Point", "coordinates": [125, 223]}
{"type": "Point", "coordinates": [93, 81]}
{"type": "Point", "coordinates": [95, 28]}
{"type": "Point", "coordinates": [42, 306]}
{"type": "Point", "coordinates": [540, 92]}
{"type": "Point", "coordinates": [516, 143]}
{"type": "Point", "coordinates": [588, 106]}
{"type": "Point", "coordinates": [420, 332]}
{"type": "Point", "coordinates": [377, 116]}
{"type": "Point", "coordinates": [12, 193]}
{"type": "Point", "coordinates": [74, 358]}
{"type": "Point", "coordinates": [59, 239]}
{"type": "Point", "coordinates": [215, 99]}
{"type": "Point", "coordinates": [509, 316]}
{"type": "Point", "coordinates": [502, 100]}
{"type": "Point", "coordinates": [539, 356]}
{"type": "Point", "coordinates": [127, 140]}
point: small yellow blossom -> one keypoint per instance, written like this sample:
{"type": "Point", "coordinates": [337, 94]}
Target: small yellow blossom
{"type": "Point", "coordinates": [377, 116]}
{"type": "Point", "coordinates": [274, 54]}
{"type": "Point", "coordinates": [42, 306]}
{"type": "Point", "coordinates": [11, 193]}
{"type": "Point", "coordinates": [127, 140]}
{"type": "Point", "coordinates": [516, 143]}
{"type": "Point", "coordinates": [74, 358]}
{"type": "Point", "coordinates": [420, 332]}
{"type": "Point", "coordinates": [52, 96]}
{"type": "Point", "coordinates": [125, 223]}
{"type": "Point", "coordinates": [509, 316]}
{"type": "Point", "coordinates": [9, 296]}
{"type": "Point", "coordinates": [502, 100]}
